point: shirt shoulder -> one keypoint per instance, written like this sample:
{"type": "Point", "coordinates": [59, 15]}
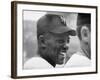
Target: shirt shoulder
{"type": "Point", "coordinates": [78, 61]}
{"type": "Point", "coordinates": [37, 63]}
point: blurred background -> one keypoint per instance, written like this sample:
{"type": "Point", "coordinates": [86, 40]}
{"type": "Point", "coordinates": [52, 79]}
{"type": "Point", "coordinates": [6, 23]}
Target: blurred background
{"type": "Point", "coordinates": [30, 19]}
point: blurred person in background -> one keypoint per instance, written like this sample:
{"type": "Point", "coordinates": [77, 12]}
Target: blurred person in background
{"type": "Point", "coordinates": [83, 56]}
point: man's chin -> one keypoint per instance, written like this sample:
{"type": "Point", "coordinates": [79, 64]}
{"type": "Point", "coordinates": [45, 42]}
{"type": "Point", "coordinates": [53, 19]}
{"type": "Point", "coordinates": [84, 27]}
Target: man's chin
{"type": "Point", "coordinates": [60, 62]}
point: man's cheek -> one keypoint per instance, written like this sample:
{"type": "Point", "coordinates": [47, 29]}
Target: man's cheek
{"type": "Point", "coordinates": [53, 52]}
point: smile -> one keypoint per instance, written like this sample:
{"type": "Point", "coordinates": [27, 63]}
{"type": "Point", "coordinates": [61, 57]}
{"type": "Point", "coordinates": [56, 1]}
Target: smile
{"type": "Point", "coordinates": [62, 52]}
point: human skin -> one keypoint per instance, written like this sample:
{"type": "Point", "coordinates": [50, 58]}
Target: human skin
{"type": "Point", "coordinates": [55, 44]}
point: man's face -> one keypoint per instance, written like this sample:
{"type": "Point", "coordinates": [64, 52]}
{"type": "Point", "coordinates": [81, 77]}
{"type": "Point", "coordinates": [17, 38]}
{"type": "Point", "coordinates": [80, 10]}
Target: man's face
{"type": "Point", "coordinates": [56, 44]}
{"type": "Point", "coordinates": [86, 40]}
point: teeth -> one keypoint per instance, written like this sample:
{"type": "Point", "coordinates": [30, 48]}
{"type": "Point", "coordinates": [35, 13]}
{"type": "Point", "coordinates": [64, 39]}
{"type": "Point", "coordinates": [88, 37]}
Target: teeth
{"type": "Point", "coordinates": [64, 54]}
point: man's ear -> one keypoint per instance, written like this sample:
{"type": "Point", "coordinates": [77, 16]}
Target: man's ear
{"type": "Point", "coordinates": [42, 41]}
{"type": "Point", "coordinates": [84, 34]}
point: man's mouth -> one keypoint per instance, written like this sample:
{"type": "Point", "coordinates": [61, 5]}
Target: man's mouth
{"type": "Point", "coordinates": [62, 53]}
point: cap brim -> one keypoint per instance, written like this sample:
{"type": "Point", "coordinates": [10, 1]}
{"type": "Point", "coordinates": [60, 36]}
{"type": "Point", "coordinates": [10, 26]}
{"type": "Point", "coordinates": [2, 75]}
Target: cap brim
{"type": "Point", "coordinates": [64, 30]}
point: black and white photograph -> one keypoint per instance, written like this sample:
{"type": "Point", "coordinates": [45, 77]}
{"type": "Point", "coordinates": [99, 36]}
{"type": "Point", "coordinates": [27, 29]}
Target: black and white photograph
{"type": "Point", "coordinates": [54, 44]}
{"type": "Point", "coordinates": [53, 39]}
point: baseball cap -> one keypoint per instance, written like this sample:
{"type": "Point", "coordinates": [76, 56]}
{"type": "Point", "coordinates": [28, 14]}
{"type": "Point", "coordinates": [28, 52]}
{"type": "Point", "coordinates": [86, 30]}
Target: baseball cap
{"type": "Point", "coordinates": [53, 23]}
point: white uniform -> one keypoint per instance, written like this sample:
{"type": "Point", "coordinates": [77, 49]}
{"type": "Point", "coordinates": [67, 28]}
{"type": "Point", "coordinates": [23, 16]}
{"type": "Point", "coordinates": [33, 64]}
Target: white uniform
{"type": "Point", "coordinates": [37, 63]}
{"type": "Point", "coordinates": [78, 60]}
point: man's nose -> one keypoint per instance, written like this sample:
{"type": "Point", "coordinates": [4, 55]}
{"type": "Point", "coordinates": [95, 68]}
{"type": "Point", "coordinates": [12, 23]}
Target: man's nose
{"type": "Point", "coordinates": [65, 46]}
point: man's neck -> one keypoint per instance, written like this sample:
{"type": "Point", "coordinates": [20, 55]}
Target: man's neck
{"type": "Point", "coordinates": [85, 50]}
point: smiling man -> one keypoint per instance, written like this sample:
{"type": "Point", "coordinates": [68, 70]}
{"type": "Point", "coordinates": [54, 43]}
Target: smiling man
{"type": "Point", "coordinates": [53, 37]}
